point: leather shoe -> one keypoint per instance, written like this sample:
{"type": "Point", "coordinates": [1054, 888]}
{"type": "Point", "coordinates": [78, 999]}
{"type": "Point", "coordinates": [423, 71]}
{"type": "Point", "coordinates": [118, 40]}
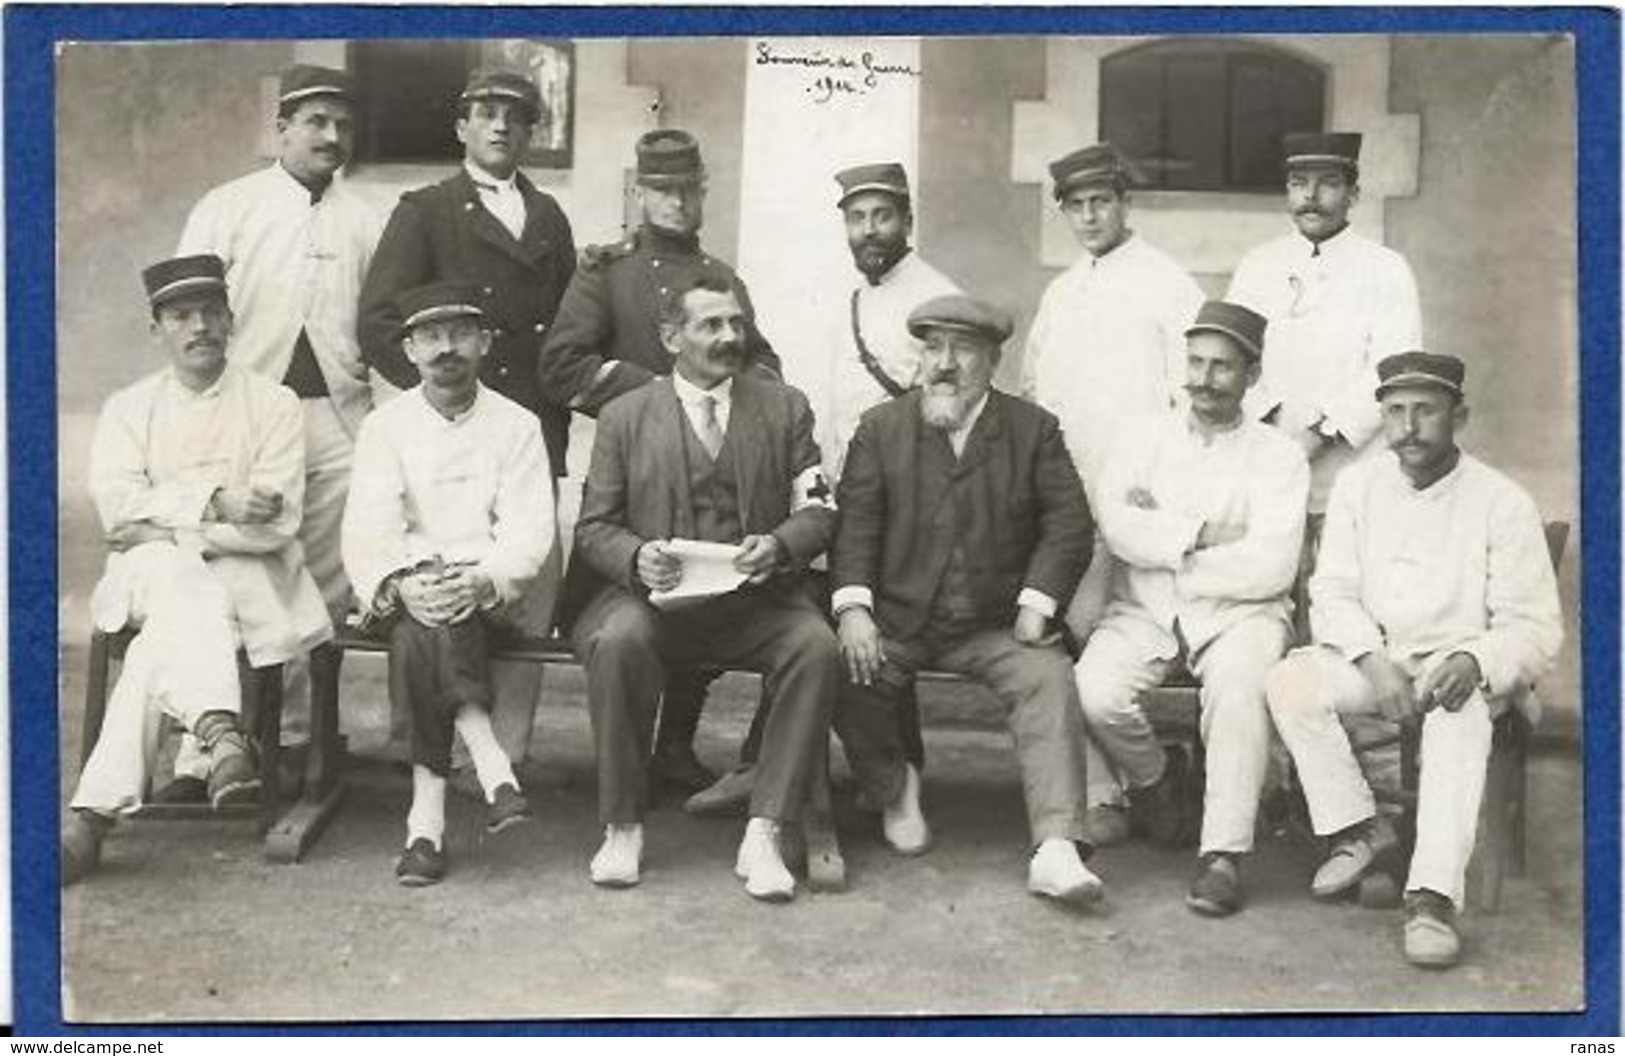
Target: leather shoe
{"type": "Point", "coordinates": [1106, 825]}
{"type": "Point", "coordinates": [421, 864]}
{"type": "Point", "coordinates": [233, 779]}
{"type": "Point", "coordinates": [677, 767]}
{"type": "Point", "coordinates": [1216, 891]}
{"type": "Point", "coordinates": [617, 862]}
{"type": "Point", "coordinates": [1057, 871]}
{"type": "Point", "coordinates": [82, 835]}
{"type": "Point", "coordinates": [903, 823]}
{"type": "Point", "coordinates": [728, 797]}
{"type": "Point", "coordinates": [508, 808]}
{"type": "Point", "coordinates": [1354, 851]}
{"type": "Point", "coordinates": [1430, 930]}
{"type": "Point", "coordinates": [760, 864]}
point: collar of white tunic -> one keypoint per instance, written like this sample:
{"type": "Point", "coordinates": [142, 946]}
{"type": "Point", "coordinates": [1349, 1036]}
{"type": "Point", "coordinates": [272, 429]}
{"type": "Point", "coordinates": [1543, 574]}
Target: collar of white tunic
{"type": "Point", "coordinates": [1434, 492]}
{"type": "Point", "coordinates": [433, 415]}
{"type": "Point", "coordinates": [1120, 255]}
{"type": "Point", "coordinates": [180, 392]}
{"type": "Point", "coordinates": [894, 274]}
{"type": "Point", "coordinates": [296, 191]}
{"type": "Point", "coordinates": [690, 394]}
{"type": "Point", "coordinates": [1329, 249]}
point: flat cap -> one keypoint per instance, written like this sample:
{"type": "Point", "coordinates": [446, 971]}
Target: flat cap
{"type": "Point", "coordinates": [492, 84]}
{"type": "Point", "coordinates": [959, 312]}
{"type": "Point", "coordinates": [669, 156]}
{"type": "Point", "coordinates": [1240, 324]}
{"type": "Point", "coordinates": [1421, 368]}
{"type": "Point", "coordinates": [1097, 163]}
{"type": "Point", "coordinates": [435, 301]}
{"type": "Point", "coordinates": [304, 81]}
{"type": "Point", "coordinates": [1322, 148]}
{"type": "Point", "coordinates": [179, 276]}
{"type": "Point", "coordinates": [887, 176]}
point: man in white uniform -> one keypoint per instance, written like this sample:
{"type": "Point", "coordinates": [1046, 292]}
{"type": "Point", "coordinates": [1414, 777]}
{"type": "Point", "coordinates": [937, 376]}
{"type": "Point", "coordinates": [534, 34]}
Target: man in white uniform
{"type": "Point", "coordinates": [1433, 601]}
{"type": "Point", "coordinates": [1107, 346]}
{"type": "Point", "coordinates": [449, 522]}
{"type": "Point", "coordinates": [873, 358]}
{"type": "Point", "coordinates": [198, 476]}
{"type": "Point", "coordinates": [1336, 302]}
{"type": "Point", "coordinates": [1205, 508]}
{"type": "Point", "coordinates": [296, 244]}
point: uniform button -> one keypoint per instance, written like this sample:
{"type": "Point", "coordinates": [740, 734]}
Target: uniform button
{"type": "Point", "coordinates": [468, 207]}
{"type": "Point", "coordinates": [486, 290]}
{"type": "Point", "coordinates": [654, 264]}
{"type": "Point", "coordinates": [502, 371]}
{"type": "Point", "coordinates": [541, 327]}
{"type": "Point", "coordinates": [662, 291]}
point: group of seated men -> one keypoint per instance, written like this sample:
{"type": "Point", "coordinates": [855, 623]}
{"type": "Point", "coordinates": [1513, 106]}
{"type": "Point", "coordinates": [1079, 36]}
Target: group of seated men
{"type": "Point", "coordinates": [962, 521]}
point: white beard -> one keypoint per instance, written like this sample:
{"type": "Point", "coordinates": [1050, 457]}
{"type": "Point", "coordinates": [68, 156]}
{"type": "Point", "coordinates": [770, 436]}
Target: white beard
{"type": "Point", "coordinates": [946, 411]}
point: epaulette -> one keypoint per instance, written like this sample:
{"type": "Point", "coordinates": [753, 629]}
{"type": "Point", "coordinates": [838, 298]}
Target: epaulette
{"type": "Point", "coordinates": [594, 257]}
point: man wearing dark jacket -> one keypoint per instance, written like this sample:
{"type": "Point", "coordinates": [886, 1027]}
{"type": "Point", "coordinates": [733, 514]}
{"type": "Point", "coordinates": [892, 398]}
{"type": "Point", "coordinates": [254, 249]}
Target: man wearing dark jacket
{"type": "Point", "coordinates": [607, 342]}
{"type": "Point", "coordinates": [964, 532]}
{"type": "Point", "coordinates": [487, 227]}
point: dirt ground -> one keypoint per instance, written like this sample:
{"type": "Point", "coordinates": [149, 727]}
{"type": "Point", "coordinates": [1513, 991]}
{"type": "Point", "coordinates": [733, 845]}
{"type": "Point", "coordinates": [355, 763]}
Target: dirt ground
{"type": "Point", "coordinates": [187, 922]}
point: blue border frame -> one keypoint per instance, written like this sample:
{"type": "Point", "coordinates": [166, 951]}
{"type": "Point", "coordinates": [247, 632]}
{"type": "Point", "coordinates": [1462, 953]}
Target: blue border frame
{"type": "Point", "coordinates": [30, 35]}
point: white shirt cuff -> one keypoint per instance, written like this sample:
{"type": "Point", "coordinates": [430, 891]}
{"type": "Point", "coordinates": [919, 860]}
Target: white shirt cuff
{"type": "Point", "coordinates": [1038, 601]}
{"type": "Point", "coordinates": [851, 597]}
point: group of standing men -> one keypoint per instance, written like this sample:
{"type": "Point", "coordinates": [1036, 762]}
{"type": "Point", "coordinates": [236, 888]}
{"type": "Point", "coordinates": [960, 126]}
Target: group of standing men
{"type": "Point", "coordinates": [1186, 445]}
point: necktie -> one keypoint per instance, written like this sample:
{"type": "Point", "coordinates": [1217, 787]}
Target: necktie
{"type": "Point", "coordinates": [710, 431]}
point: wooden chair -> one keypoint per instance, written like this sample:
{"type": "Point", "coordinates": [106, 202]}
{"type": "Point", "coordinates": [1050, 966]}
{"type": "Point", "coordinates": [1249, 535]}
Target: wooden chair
{"type": "Point", "coordinates": [288, 833]}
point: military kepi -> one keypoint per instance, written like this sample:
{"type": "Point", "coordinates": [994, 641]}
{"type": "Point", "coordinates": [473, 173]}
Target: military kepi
{"type": "Point", "coordinates": [436, 301]}
{"type": "Point", "coordinates": [179, 276]}
{"type": "Point", "coordinates": [1421, 368]}
{"type": "Point", "coordinates": [1240, 324]}
{"type": "Point", "coordinates": [1098, 163]}
{"type": "Point", "coordinates": [1322, 148]}
{"type": "Point", "coordinates": [959, 312]}
{"type": "Point", "coordinates": [304, 81]}
{"type": "Point", "coordinates": [887, 176]}
{"type": "Point", "coordinates": [669, 156]}
{"type": "Point", "coordinates": [497, 85]}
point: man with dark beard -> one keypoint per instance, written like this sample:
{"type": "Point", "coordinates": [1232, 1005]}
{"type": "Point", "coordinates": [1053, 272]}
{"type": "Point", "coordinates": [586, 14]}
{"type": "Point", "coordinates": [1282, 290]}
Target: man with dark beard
{"type": "Point", "coordinates": [964, 532]}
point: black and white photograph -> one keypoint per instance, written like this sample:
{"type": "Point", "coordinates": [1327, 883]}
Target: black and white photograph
{"type": "Point", "coordinates": [668, 526]}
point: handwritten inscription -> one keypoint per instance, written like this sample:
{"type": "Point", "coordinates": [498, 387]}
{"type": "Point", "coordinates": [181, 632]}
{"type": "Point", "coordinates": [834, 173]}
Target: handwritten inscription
{"type": "Point", "coordinates": [834, 74]}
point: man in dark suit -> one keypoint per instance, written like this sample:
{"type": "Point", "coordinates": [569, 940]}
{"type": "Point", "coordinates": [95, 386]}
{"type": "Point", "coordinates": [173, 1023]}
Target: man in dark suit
{"type": "Point", "coordinates": [487, 226]}
{"type": "Point", "coordinates": [719, 455]}
{"type": "Point", "coordinates": [607, 341]}
{"type": "Point", "coordinates": [964, 532]}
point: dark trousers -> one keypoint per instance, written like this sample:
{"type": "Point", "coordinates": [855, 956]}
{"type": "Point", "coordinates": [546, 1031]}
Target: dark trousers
{"type": "Point", "coordinates": [435, 672]}
{"type": "Point", "coordinates": [626, 645]}
{"type": "Point", "coordinates": [1035, 685]}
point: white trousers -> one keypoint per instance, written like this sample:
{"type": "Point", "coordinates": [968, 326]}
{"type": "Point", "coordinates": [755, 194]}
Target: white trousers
{"type": "Point", "coordinates": [182, 663]}
{"type": "Point", "coordinates": [1309, 690]}
{"type": "Point", "coordinates": [329, 453]}
{"type": "Point", "coordinates": [1116, 667]}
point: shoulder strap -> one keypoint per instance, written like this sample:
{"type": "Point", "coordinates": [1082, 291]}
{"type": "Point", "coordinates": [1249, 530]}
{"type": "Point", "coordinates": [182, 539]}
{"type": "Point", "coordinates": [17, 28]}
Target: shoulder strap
{"type": "Point", "coordinates": [870, 363]}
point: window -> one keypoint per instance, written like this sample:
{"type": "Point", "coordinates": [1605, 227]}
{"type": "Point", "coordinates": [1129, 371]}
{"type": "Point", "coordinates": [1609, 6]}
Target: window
{"type": "Point", "coordinates": [1208, 115]}
{"type": "Point", "coordinates": [408, 96]}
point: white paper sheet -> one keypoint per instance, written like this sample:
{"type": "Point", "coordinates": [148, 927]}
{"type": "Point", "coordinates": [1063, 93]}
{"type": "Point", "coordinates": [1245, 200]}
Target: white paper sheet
{"type": "Point", "coordinates": [708, 571]}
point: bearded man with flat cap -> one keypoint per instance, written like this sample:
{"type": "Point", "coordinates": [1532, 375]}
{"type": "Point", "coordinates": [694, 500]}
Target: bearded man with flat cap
{"type": "Point", "coordinates": [964, 532]}
{"type": "Point", "coordinates": [487, 226]}
{"type": "Point", "coordinates": [607, 341]}
{"type": "Point", "coordinates": [198, 475]}
{"type": "Point", "coordinates": [1204, 508]}
{"type": "Point", "coordinates": [1433, 601]}
{"type": "Point", "coordinates": [296, 244]}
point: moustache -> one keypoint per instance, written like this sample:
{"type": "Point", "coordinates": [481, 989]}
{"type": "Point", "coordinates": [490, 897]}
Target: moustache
{"type": "Point", "coordinates": [1309, 210]}
{"type": "Point", "coordinates": [1201, 390]}
{"type": "Point", "coordinates": [951, 378]}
